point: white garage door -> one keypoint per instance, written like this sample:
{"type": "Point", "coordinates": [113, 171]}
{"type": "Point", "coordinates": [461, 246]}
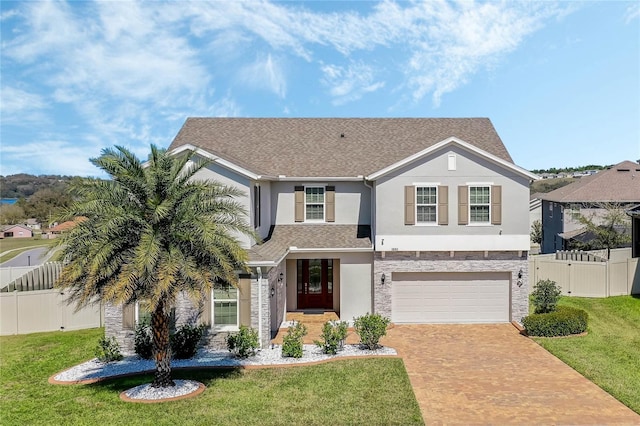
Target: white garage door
{"type": "Point", "coordinates": [445, 297]}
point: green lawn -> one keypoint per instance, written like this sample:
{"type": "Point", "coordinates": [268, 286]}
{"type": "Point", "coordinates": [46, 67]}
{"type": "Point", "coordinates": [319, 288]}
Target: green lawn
{"type": "Point", "coordinates": [18, 245]}
{"type": "Point", "coordinates": [365, 391]}
{"type": "Point", "coordinates": [609, 355]}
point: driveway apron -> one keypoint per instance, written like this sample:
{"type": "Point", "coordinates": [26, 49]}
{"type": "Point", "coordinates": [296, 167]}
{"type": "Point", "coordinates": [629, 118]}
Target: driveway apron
{"type": "Point", "coordinates": [490, 374]}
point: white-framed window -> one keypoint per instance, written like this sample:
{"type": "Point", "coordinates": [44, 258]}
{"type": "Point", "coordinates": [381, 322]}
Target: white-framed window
{"type": "Point", "coordinates": [314, 203]}
{"type": "Point", "coordinates": [480, 204]}
{"type": "Point", "coordinates": [225, 312]}
{"type": "Point", "coordinates": [427, 204]}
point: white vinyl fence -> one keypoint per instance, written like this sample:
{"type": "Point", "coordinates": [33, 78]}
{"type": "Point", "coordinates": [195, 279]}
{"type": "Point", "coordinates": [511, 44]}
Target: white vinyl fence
{"type": "Point", "coordinates": [23, 312]}
{"type": "Point", "coordinates": [588, 278]}
{"type": "Point", "coordinates": [30, 304]}
{"type": "Point", "coordinates": [12, 273]}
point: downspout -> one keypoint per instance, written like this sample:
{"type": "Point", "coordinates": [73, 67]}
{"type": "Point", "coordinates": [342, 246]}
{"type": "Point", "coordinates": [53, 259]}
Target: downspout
{"type": "Point", "coordinates": [259, 272]}
{"type": "Point", "coordinates": [373, 211]}
{"type": "Point", "coordinates": [373, 239]}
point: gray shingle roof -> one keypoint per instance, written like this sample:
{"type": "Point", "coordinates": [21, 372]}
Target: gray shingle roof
{"type": "Point", "coordinates": [620, 183]}
{"type": "Point", "coordinates": [325, 236]}
{"type": "Point", "coordinates": [315, 147]}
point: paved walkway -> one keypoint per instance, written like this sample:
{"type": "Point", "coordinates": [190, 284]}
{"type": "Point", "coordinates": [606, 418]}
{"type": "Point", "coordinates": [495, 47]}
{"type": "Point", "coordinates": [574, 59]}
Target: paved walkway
{"type": "Point", "coordinates": [490, 374]}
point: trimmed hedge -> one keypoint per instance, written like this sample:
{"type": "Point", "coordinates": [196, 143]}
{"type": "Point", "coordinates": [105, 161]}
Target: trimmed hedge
{"type": "Point", "coordinates": [561, 322]}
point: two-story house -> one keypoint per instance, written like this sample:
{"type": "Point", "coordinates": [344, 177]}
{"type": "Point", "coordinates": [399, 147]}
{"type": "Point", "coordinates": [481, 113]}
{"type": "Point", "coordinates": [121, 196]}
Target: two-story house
{"type": "Point", "coordinates": [420, 220]}
{"type": "Point", "coordinates": [590, 196]}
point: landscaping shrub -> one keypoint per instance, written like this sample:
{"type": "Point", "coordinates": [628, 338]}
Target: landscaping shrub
{"type": "Point", "coordinates": [143, 341]}
{"type": "Point", "coordinates": [333, 336]}
{"type": "Point", "coordinates": [292, 341]}
{"type": "Point", "coordinates": [370, 328]}
{"type": "Point", "coordinates": [545, 296]}
{"type": "Point", "coordinates": [243, 343]}
{"type": "Point", "coordinates": [561, 322]}
{"type": "Point", "coordinates": [184, 342]}
{"type": "Point", "coordinates": [108, 350]}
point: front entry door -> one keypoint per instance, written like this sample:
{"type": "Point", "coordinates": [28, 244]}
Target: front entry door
{"type": "Point", "coordinates": [315, 283]}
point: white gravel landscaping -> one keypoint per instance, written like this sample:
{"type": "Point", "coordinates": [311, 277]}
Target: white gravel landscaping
{"type": "Point", "coordinates": [149, 393]}
{"type": "Point", "coordinates": [95, 369]}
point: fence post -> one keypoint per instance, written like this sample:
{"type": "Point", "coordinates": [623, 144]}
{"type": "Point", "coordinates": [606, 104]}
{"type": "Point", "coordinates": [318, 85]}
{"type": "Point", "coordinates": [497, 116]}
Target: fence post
{"type": "Point", "coordinates": [15, 302]}
{"type": "Point", "coordinates": [607, 280]}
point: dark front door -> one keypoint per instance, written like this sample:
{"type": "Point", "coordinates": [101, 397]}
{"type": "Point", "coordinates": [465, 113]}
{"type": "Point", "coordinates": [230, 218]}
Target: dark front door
{"type": "Point", "coordinates": [315, 284]}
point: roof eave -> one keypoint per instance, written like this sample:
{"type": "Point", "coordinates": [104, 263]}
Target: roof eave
{"type": "Point", "coordinates": [284, 178]}
{"type": "Point", "coordinates": [218, 160]}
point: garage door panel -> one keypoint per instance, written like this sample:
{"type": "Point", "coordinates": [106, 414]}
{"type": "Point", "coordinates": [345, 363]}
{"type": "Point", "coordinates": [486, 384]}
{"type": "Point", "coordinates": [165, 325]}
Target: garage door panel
{"type": "Point", "coordinates": [444, 297]}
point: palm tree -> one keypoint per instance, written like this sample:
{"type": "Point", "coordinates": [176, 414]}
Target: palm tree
{"type": "Point", "coordinates": [149, 233]}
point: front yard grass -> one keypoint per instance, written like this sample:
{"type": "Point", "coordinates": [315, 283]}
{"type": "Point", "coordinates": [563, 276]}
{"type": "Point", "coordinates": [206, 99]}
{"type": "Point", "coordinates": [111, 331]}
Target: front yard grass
{"type": "Point", "coordinates": [609, 355]}
{"type": "Point", "coordinates": [363, 391]}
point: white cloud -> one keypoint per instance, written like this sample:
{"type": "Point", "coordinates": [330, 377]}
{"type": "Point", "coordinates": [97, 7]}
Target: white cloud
{"type": "Point", "coordinates": [349, 83]}
{"type": "Point", "coordinates": [19, 107]}
{"type": "Point", "coordinates": [225, 107]}
{"type": "Point", "coordinates": [632, 13]}
{"type": "Point", "coordinates": [265, 73]}
{"type": "Point", "coordinates": [444, 43]}
{"type": "Point", "coordinates": [53, 156]}
{"type": "Point", "coordinates": [133, 71]}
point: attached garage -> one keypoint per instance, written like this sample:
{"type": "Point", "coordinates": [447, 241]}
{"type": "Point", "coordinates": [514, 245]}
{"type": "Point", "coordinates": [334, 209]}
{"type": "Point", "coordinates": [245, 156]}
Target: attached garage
{"type": "Point", "coordinates": [450, 297]}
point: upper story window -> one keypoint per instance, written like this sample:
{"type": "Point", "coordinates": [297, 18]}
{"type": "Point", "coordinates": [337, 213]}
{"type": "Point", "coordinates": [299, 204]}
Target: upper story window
{"type": "Point", "coordinates": [426, 204]}
{"type": "Point", "coordinates": [314, 203]}
{"type": "Point", "coordinates": [479, 204]}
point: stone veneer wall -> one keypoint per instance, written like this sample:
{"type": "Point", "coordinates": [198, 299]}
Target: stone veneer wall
{"type": "Point", "coordinates": [443, 262]}
{"type": "Point", "coordinates": [267, 280]}
{"type": "Point", "coordinates": [113, 328]}
{"type": "Point", "coordinates": [280, 288]}
{"type": "Point", "coordinates": [188, 312]}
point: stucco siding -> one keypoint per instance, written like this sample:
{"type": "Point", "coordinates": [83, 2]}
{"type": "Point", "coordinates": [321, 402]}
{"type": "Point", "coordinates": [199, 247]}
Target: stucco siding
{"type": "Point", "coordinates": [352, 202]}
{"type": "Point", "coordinates": [433, 169]}
{"type": "Point", "coordinates": [230, 178]}
{"type": "Point", "coordinates": [356, 285]}
{"type": "Point", "coordinates": [265, 208]}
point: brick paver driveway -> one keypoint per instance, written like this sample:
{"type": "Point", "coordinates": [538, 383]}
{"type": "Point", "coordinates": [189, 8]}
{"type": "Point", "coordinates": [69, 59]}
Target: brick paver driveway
{"type": "Point", "coordinates": [481, 374]}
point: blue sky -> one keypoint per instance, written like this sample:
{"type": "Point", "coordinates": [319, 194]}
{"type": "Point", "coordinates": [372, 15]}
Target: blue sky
{"type": "Point", "coordinates": [560, 81]}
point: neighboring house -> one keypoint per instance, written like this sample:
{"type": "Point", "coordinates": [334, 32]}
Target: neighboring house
{"type": "Point", "coordinates": [33, 223]}
{"type": "Point", "coordinates": [419, 220]}
{"type": "Point", "coordinates": [16, 231]}
{"type": "Point", "coordinates": [619, 185]}
{"type": "Point", "coordinates": [60, 228]}
{"type": "Point", "coordinates": [535, 215]}
{"type": "Point", "coordinates": [635, 230]}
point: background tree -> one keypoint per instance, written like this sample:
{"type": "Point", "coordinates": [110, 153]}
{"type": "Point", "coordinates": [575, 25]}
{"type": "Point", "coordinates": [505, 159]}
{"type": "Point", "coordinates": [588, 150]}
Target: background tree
{"type": "Point", "coordinates": [11, 214]}
{"type": "Point", "coordinates": [47, 203]}
{"type": "Point", "coordinates": [151, 232]}
{"type": "Point", "coordinates": [536, 232]}
{"type": "Point", "coordinates": [609, 230]}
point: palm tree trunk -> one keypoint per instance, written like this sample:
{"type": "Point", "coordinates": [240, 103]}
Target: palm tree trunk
{"type": "Point", "coordinates": [161, 348]}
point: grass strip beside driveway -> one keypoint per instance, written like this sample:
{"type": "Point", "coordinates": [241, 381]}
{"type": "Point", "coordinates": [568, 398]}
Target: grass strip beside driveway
{"type": "Point", "coordinates": [11, 247]}
{"type": "Point", "coordinates": [372, 391]}
{"type": "Point", "coordinates": [609, 355]}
